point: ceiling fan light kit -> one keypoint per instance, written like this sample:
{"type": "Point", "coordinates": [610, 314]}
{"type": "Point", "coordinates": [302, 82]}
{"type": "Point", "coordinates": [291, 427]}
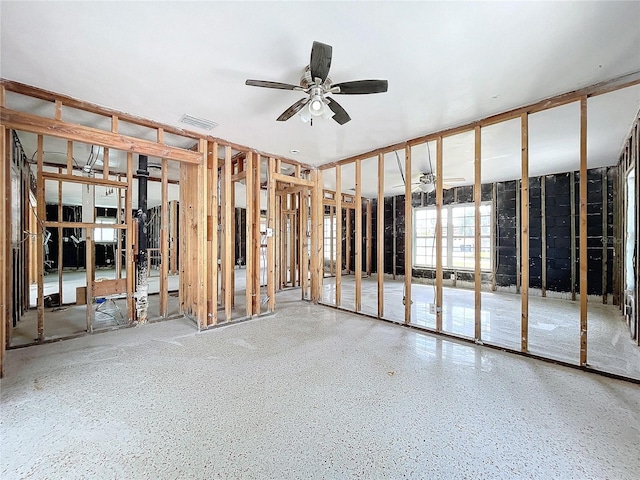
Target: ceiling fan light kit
{"type": "Point", "coordinates": [318, 85]}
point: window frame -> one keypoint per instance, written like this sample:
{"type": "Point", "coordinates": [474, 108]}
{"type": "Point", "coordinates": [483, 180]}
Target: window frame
{"type": "Point", "coordinates": [447, 223]}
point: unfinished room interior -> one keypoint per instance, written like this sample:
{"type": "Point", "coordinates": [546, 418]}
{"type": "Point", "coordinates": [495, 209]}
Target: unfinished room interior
{"type": "Point", "coordinates": [319, 240]}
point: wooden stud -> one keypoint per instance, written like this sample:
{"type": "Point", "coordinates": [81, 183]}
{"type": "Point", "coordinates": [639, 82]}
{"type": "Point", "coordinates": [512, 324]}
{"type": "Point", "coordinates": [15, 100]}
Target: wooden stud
{"type": "Point", "coordinates": [114, 124]}
{"type": "Point", "coordinates": [228, 235]}
{"type": "Point", "coordinates": [118, 258]}
{"type": "Point", "coordinates": [93, 136]}
{"type": "Point", "coordinates": [572, 203]}
{"type": "Point", "coordinates": [164, 242]}
{"type": "Point", "coordinates": [304, 235]}
{"type": "Point", "coordinates": [494, 233]}
{"type": "Point", "coordinates": [380, 239]}
{"type": "Point", "coordinates": [39, 238]}
{"type": "Point", "coordinates": [105, 166]}
{"type": "Point", "coordinates": [213, 248]}
{"type": "Point", "coordinates": [249, 251]}
{"type": "Point", "coordinates": [60, 289]}
{"type": "Point", "coordinates": [439, 199]}
{"type": "Point", "coordinates": [271, 239]}
{"type": "Point", "coordinates": [408, 235]}
{"type": "Point", "coordinates": [83, 180]}
{"type": "Point", "coordinates": [90, 261]}
{"type": "Point", "coordinates": [319, 235]}
{"type": "Point", "coordinates": [583, 231]}
{"type": "Point", "coordinates": [5, 222]}
{"type": "Point", "coordinates": [369, 237]}
{"type": "Point", "coordinates": [339, 217]}
{"type": "Point", "coordinates": [348, 242]}
{"type": "Point", "coordinates": [524, 213]}
{"type": "Point", "coordinates": [605, 236]}
{"type": "Point", "coordinates": [518, 236]}
{"type": "Point", "coordinates": [58, 114]}
{"type": "Point", "coordinates": [69, 158]}
{"type": "Point", "coordinates": [256, 238]}
{"type": "Point", "coordinates": [358, 242]}
{"type": "Point", "coordinates": [477, 197]}
{"type": "Point", "coordinates": [543, 232]}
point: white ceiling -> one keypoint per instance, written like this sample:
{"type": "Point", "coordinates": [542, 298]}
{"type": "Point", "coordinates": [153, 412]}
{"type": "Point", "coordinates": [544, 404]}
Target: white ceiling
{"type": "Point", "coordinates": [447, 63]}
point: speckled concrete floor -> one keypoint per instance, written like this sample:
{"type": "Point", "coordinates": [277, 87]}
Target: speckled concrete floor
{"type": "Point", "coordinates": [554, 324]}
{"type": "Point", "coordinates": [311, 392]}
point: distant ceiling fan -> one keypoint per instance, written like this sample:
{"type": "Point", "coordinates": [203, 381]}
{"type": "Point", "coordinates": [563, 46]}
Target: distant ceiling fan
{"type": "Point", "coordinates": [317, 84]}
{"type": "Point", "coordinates": [427, 183]}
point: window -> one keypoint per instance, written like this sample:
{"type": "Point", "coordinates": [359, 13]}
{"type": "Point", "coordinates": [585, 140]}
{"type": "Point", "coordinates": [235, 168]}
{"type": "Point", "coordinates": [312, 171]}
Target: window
{"type": "Point", "coordinates": [329, 237]}
{"type": "Point", "coordinates": [458, 237]}
{"type": "Point", "coordinates": [105, 235]}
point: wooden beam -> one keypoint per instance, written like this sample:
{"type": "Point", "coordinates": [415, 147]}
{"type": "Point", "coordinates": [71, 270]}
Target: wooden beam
{"type": "Point", "coordinates": [518, 236]}
{"type": "Point", "coordinates": [105, 164]}
{"type": "Point", "coordinates": [212, 261]}
{"type": "Point", "coordinates": [69, 157]}
{"type": "Point", "coordinates": [58, 177]}
{"type": "Point", "coordinates": [228, 235]}
{"type": "Point", "coordinates": [572, 223]}
{"type": "Point", "coordinates": [380, 239]}
{"type": "Point", "coordinates": [271, 235]}
{"type": "Point", "coordinates": [408, 235]}
{"type": "Point", "coordinates": [39, 237]}
{"type": "Point", "coordinates": [93, 136]}
{"type": "Point", "coordinates": [583, 231]}
{"type": "Point", "coordinates": [543, 232]}
{"type": "Point", "coordinates": [338, 236]}
{"type": "Point", "coordinates": [358, 242]}
{"type": "Point", "coordinates": [304, 235]}
{"type": "Point", "coordinates": [249, 251]}
{"type": "Point", "coordinates": [5, 241]}
{"type": "Point", "coordinates": [439, 198]}
{"type": "Point", "coordinates": [524, 235]}
{"type": "Point", "coordinates": [293, 180]}
{"type": "Point", "coordinates": [317, 237]}
{"type": "Point", "coordinates": [477, 198]}
{"type": "Point", "coordinates": [256, 235]}
{"type": "Point", "coordinates": [60, 289]}
{"type": "Point", "coordinates": [56, 224]}
{"type": "Point", "coordinates": [605, 236]}
{"type": "Point", "coordinates": [90, 275]}
{"type": "Point", "coordinates": [164, 242]}
{"type": "Point", "coordinates": [369, 237]}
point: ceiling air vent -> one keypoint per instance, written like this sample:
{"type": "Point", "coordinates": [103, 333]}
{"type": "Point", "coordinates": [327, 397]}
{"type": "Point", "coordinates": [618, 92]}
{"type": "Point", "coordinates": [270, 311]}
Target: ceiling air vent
{"type": "Point", "coordinates": [198, 122]}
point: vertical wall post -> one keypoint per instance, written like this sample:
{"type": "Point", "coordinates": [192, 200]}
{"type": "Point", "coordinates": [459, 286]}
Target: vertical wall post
{"type": "Point", "coordinates": [572, 203]}
{"type": "Point", "coordinates": [5, 223]}
{"type": "Point", "coordinates": [477, 197]}
{"type": "Point", "coordinates": [338, 235]}
{"type": "Point", "coordinates": [543, 232]}
{"type": "Point", "coordinates": [227, 262]}
{"type": "Point", "coordinates": [164, 243]}
{"type": "Point", "coordinates": [128, 215]}
{"type": "Point", "coordinates": [358, 242]}
{"type": "Point", "coordinates": [408, 235]}
{"type": "Point", "coordinates": [369, 237]}
{"type": "Point", "coordinates": [605, 236]}
{"type": "Point", "coordinates": [271, 235]}
{"type": "Point", "coordinates": [250, 262]}
{"type": "Point", "coordinates": [213, 241]}
{"type": "Point", "coordinates": [39, 237]}
{"type": "Point", "coordinates": [524, 235]}
{"type": "Point", "coordinates": [60, 289]}
{"type": "Point", "coordinates": [380, 240]}
{"type": "Point", "coordinates": [439, 196]}
{"type": "Point", "coordinates": [583, 231]}
{"type": "Point", "coordinates": [256, 239]}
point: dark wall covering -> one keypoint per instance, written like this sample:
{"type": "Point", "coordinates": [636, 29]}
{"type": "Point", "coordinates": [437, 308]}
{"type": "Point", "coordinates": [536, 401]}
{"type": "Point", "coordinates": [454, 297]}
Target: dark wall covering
{"type": "Point", "coordinates": [558, 230]}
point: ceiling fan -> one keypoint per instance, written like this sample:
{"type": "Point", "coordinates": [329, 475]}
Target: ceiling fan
{"type": "Point", "coordinates": [427, 183]}
{"type": "Point", "coordinates": [315, 82]}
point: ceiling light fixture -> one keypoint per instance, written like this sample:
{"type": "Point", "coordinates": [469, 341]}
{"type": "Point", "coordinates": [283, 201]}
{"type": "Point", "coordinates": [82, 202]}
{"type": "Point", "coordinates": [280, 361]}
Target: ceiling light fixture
{"type": "Point", "coordinates": [294, 151]}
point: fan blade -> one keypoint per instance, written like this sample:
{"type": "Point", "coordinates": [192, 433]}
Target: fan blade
{"type": "Point", "coordinates": [341, 116]}
{"type": "Point", "coordinates": [293, 109]}
{"type": "Point", "coordinates": [320, 62]}
{"type": "Point", "coordinates": [360, 87]}
{"type": "Point", "coordinates": [278, 85]}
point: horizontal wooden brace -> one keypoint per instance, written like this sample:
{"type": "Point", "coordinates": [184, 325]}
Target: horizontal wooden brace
{"type": "Point", "coordinates": [60, 177]}
{"type": "Point", "coordinates": [54, 224]}
{"type": "Point", "coordinates": [294, 180]}
{"type": "Point", "coordinates": [239, 176]}
{"type": "Point", "coordinates": [93, 136]}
